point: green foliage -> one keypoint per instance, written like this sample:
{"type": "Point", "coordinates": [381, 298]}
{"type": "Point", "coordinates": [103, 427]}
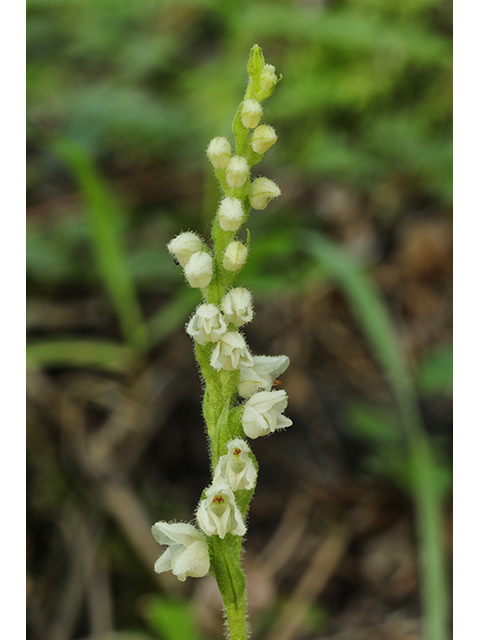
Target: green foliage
{"type": "Point", "coordinates": [170, 619]}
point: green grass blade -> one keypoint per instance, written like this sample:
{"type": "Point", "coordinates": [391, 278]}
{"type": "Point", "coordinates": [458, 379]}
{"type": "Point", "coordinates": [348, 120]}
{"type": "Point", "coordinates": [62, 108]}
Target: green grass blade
{"type": "Point", "coordinates": [103, 214]}
{"type": "Point", "coordinates": [378, 327]}
{"type": "Point", "coordinates": [80, 353]}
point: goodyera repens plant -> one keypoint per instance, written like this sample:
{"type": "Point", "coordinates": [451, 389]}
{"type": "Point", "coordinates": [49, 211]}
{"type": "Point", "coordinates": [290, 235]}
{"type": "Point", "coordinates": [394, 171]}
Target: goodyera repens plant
{"type": "Point", "coordinates": [239, 399]}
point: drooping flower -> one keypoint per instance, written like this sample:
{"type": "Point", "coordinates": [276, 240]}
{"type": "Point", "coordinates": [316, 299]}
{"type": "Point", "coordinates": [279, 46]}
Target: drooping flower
{"type": "Point", "coordinates": [199, 270]}
{"type": "Point", "coordinates": [263, 413]}
{"type": "Point", "coordinates": [262, 190]}
{"type": "Point", "coordinates": [231, 352]}
{"type": "Point", "coordinates": [236, 467]}
{"type": "Point", "coordinates": [263, 138]}
{"type": "Point", "coordinates": [187, 550]}
{"type": "Point", "coordinates": [237, 306]}
{"type": "Point", "coordinates": [207, 324]}
{"type": "Point", "coordinates": [218, 513]}
{"type": "Point", "coordinates": [261, 375]}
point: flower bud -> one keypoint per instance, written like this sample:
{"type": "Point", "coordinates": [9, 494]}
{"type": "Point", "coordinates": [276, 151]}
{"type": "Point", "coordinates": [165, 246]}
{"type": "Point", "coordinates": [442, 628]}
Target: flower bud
{"type": "Point", "coordinates": [183, 246]}
{"type": "Point", "coordinates": [219, 152]}
{"type": "Point", "coordinates": [231, 353]}
{"type": "Point", "coordinates": [207, 324]}
{"type": "Point", "coordinates": [263, 138]}
{"type": "Point", "coordinates": [268, 80]}
{"type": "Point", "coordinates": [199, 270]}
{"type": "Point", "coordinates": [237, 306]}
{"type": "Point", "coordinates": [263, 413]}
{"type": "Point", "coordinates": [230, 214]}
{"type": "Point", "coordinates": [235, 256]}
{"type": "Point", "coordinates": [262, 190]}
{"type": "Point", "coordinates": [237, 172]}
{"type": "Point", "coordinates": [251, 113]}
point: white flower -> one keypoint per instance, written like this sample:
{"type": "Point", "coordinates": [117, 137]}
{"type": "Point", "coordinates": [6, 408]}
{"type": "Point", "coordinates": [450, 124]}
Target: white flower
{"type": "Point", "coordinates": [219, 152]}
{"type": "Point", "coordinates": [207, 324]}
{"type": "Point", "coordinates": [235, 256]}
{"type": "Point", "coordinates": [199, 270]}
{"type": "Point", "coordinates": [183, 246]}
{"type": "Point", "coordinates": [230, 214]}
{"type": "Point", "coordinates": [263, 138]}
{"type": "Point", "coordinates": [262, 190]}
{"type": "Point", "coordinates": [251, 113]}
{"type": "Point", "coordinates": [260, 376]}
{"type": "Point", "coordinates": [218, 513]}
{"type": "Point", "coordinates": [237, 172]}
{"type": "Point", "coordinates": [231, 352]}
{"type": "Point", "coordinates": [187, 552]}
{"type": "Point", "coordinates": [236, 468]}
{"type": "Point", "coordinates": [237, 306]}
{"type": "Point", "coordinates": [263, 413]}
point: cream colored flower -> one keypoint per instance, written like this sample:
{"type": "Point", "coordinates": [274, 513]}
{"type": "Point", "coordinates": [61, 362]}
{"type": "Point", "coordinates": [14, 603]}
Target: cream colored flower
{"type": "Point", "coordinates": [263, 138]}
{"type": "Point", "coordinates": [236, 467]}
{"type": "Point", "coordinates": [219, 152]}
{"type": "Point", "coordinates": [187, 550]}
{"type": "Point", "coordinates": [207, 324]}
{"type": "Point", "coordinates": [237, 172]}
{"type": "Point", "coordinates": [262, 190]}
{"type": "Point", "coordinates": [237, 306]}
{"type": "Point", "coordinates": [231, 352]}
{"type": "Point", "coordinates": [183, 246]}
{"type": "Point", "coordinates": [199, 270]}
{"type": "Point", "coordinates": [218, 513]}
{"type": "Point", "coordinates": [263, 413]}
{"type": "Point", "coordinates": [235, 256]}
{"type": "Point", "coordinates": [230, 214]}
{"type": "Point", "coordinates": [261, 375]}
{"type": "Point", "coordinates": [251, 113]}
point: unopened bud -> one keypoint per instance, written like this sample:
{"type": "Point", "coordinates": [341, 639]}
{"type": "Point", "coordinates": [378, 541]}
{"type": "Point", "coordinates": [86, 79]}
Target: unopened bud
{"type": "Point", "coordinates": [199, 270]}
{"type": "Point", "coordinates": [219, 152]}
{"type": "Point", "coordinates": [251, 113]}
{"type": "Point", "coordinates": [235, 256]}
{"type": "Point", "coordinates": [183, 246]}
{"type": "Point", "coordinates": [237, 172]}
{"type": "Point", "coordinates": [230, 214]}
{"type": "Point", "coordinates": [268, 80]}
{"type": "Point", "coordinates": [263, 138]}
{"type": "Point", "coordinates": [262, 190]}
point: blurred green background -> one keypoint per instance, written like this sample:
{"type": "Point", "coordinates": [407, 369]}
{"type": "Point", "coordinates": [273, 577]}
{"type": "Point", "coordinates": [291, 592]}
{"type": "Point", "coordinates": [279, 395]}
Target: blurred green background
{"type": "Point", "coordinates": [349, 532]}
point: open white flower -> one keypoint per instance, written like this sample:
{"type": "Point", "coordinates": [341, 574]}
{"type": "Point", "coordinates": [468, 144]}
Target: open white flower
{"type": "Point", "coordinates": [187, 552]}
{"type": "Point", "coordinates": [261, 375]}
{"type": "Point", "coordinates": [207, 324]}
{"type": "Point", "coordinates": [231, 352]}
{"type": "Point", "coordinates": [237, 306]}
{"type": "Point", "coordinates": [263, 413]}
{"type": "Point", "coordinates": [236, 468]}
{"type": "Point", "coordinates": [218, 513]}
